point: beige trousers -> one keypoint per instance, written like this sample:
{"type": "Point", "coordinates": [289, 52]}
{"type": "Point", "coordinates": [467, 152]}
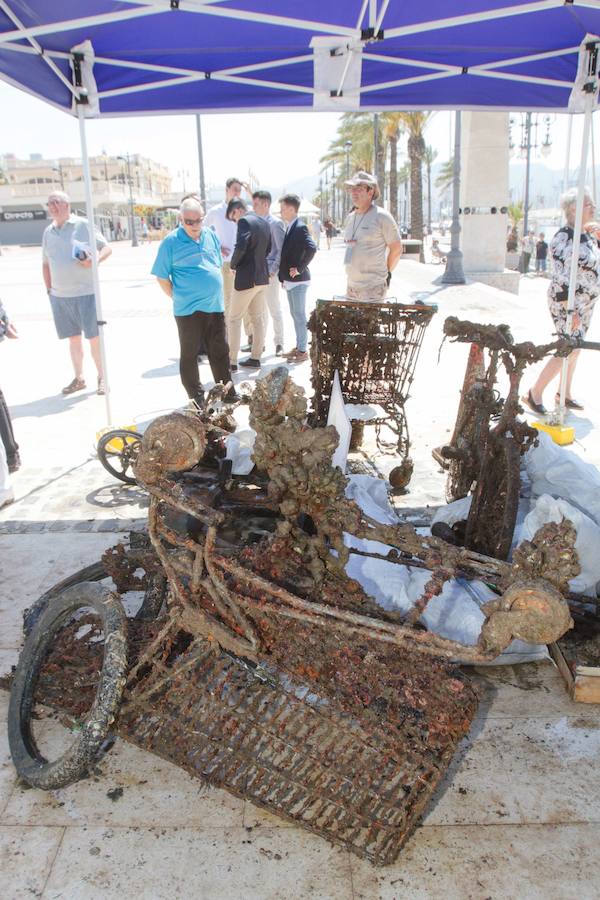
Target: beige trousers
{"type": "Point", "coordinates": [228, 279]}
{"type": "Point", "coordinates": [252, 304]}
{"type": "Point", "coordinates": [273, 303]}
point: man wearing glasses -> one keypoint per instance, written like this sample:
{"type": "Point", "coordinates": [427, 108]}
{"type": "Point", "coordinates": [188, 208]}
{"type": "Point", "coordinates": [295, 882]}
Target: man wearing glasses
{"type": "Point", "coordinates": [373, 244]}
{"type": "Point", "coordinates": [67, 273]}
{"type": "Point", "coordinates": [188, 269]}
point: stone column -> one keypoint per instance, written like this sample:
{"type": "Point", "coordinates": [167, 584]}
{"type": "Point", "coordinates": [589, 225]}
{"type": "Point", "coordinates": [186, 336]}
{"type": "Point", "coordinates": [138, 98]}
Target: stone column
{"type": "Point", "coordinates": [483, 188]}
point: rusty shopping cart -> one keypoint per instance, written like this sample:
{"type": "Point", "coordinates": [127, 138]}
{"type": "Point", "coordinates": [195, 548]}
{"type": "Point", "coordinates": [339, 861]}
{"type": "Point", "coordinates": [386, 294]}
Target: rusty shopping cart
{"type": "Point", "coordinates": [375, 347]}
{"type": "Point", "coordinates": [266, 670]}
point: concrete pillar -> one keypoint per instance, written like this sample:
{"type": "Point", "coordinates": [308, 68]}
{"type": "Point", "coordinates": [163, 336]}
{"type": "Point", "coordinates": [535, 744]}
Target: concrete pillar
{"type": "Point", "coordinates": [483, 187]}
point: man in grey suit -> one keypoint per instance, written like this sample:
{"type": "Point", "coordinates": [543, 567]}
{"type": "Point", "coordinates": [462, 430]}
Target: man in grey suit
{"type": "Point", "coordinates": [261, 204]}
{"type": "Point", "coordinates": [249, 261]}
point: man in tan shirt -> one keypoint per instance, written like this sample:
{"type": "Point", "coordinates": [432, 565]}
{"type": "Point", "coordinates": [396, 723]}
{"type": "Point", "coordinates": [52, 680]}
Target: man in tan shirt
{"type": "Point", "coordinates": [373, 244]}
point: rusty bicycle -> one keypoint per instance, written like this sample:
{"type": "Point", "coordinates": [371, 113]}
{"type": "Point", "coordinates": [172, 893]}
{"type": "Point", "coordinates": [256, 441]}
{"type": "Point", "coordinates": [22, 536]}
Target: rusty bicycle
{"type": "Point", "coordinates": [484, 455]}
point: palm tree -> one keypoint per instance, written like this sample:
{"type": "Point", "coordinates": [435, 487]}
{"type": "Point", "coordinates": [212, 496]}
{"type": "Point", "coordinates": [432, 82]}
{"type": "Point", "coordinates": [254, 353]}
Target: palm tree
{"type": "Point", "coordinates": [430, 157]}
{"type": "Point", "coordinates": [445, 176]}
{"type": "Point", "coordinates": [414, 123]}
{"type": "Point", "coordinates": [515, 213]}
{"type": "Point", "coordinates": [391, 126]}
{"type": "Point", "coordinates": [404, 179]}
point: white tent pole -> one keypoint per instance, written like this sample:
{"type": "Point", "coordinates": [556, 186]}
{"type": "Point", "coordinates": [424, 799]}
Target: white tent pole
{"type": "Point", "coordinates": [593, 163]}
{"type": "Point", "coordinates": [590, 99]}
{"type": "Point", "coordinates": [89, 209]}
{"type": "Point", "coordinates": [201, 181]}
{"type": "Point", "coordinates": [568, 156]}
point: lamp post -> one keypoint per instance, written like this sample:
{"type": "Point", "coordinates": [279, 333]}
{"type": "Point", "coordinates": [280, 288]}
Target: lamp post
{"type": "Point", "coordinates": [529, 124]}
{"type": "Point", "coordinates": [454, 270]}
{"type": "Point", "coordinates": [333, 209]}
{"type": "Point", "coordinates": [347, 148]}
{"type": "Point", "coordinates": [134, 240]}
{"type": "Point", "coordinates": [58, 168]}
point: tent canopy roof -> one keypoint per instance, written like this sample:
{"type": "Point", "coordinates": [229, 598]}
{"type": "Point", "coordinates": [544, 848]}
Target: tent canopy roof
{"type": "Point", "coordinates": [178, 56]}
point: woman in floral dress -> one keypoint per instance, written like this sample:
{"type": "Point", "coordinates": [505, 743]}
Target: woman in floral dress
{"type": "Point", "coordinates": [587, 290]}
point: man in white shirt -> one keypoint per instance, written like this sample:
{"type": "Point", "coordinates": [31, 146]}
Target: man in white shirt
{"type": "Point", "coordinates": [261, 204]}
{"type": "Point", "coordinates": [67, 274]}
{"type": "Point", "coordinates": [226, 231]}
{"type": "Point", "coordinates": [372, 238]}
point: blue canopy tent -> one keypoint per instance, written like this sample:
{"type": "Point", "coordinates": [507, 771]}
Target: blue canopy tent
{"type": "Point", "coordinates": [96, 58]}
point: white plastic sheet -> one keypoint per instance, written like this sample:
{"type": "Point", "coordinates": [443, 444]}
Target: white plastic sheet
{"type": "Point", "coordinates": [561, 473]}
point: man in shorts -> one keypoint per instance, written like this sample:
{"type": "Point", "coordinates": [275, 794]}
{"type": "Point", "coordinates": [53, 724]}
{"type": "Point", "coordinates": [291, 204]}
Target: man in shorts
{"type": "Point", "coordinates": [67, 273]}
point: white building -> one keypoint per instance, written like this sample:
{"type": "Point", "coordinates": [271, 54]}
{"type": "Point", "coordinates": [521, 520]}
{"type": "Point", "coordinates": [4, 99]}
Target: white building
{"type": "Point", "coordinates": [116, 182]}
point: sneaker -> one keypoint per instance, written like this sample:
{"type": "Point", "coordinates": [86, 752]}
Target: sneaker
{"type": "Point", "coordinates": [233, 367]}
{"type": "Point", "coordinates": [290, 354]}
{"type": "Point", "coordinates": [301, 356]}
{"type": "Point", "coordinates": [250, 363]}
{"type": "Point", "coordinates": [13, 463]}
{"type": "Point", "coordinates": [101, 387]}
{"type": "Point", "coordinates": [278, 350]}
{"type": "Point", "coordinates": [78, 384]}
{"type": "Point", "coordinates": [248, 346]}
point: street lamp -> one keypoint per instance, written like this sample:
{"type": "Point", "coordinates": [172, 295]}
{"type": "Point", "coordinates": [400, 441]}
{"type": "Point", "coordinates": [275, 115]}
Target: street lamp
{"type": "Point", "coordinates": [454, 273]}
{"type": "Point", "coordinates": [529, 123]}
{"type": "Point", "coordinates": [58, 168]}
{"type": "Point", "coordinates": [134, 240]}
{"type": "Point", "coordinates": [347, 148]}
{"type": "Point", "coordinates": [333, 209]}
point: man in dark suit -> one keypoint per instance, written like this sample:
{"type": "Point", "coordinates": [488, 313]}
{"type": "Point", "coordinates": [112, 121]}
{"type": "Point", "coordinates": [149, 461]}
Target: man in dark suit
{"type": "Point", "coordinates": [296, 253]}
{"type": "Point", "coordinates": [249, 261]}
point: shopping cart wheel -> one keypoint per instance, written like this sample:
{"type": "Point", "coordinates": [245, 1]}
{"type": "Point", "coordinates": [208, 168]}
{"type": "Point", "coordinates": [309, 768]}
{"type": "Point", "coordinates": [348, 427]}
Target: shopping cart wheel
{"type": "Point", "coordinates": [400, 475]}
{"type": "Point", "coordinates": [117, 451]}
{"type": "Point", "coordinates": [71, 765]}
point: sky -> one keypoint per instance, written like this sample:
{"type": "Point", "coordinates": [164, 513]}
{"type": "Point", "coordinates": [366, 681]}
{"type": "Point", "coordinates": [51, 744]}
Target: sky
{"type": "Point", "coordinates": [276, 147]}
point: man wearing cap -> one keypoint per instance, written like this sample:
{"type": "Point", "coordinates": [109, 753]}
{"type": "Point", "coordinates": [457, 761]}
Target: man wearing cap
{"type": "Point", "coordinates": [372, 238]}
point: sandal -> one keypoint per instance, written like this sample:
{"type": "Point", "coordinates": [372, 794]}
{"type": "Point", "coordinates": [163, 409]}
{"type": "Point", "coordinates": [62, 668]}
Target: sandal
{"type": "Point", "coordinates": [78, 384]}
{"type": "Point", "coordinates": [570, 403]}
{"type": "Point", "coordinates": [538, 408]}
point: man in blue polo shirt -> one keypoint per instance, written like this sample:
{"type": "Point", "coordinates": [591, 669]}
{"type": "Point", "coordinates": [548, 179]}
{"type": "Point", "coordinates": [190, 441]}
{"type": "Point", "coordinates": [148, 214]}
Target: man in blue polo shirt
{"type": "Point", "coordinates": [188, 269]}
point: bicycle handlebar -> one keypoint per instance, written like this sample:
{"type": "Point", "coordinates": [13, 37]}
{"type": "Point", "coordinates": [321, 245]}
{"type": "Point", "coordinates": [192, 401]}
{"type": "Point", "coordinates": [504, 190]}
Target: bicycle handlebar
{"type": "Point", "coordinates": [499, 337]}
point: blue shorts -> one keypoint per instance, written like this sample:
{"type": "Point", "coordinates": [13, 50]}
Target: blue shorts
{"type": "Point", "coordinates": [72, 315]}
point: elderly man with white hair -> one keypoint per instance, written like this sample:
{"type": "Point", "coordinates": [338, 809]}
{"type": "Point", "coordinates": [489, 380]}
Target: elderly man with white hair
{"type": "Point", "coordinates": [67, 274]}
{"type": "Point", "coordinates": [587, 289]}
{"type": "Point", "coordinates": [188, 269]}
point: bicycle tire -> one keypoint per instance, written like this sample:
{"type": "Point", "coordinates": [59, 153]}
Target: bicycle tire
{"type": "Point", "coordinates": [493, 513]}
{"type": "Point", "coordinates": [95, 572]}
{"type": "Point", "coordinates": [131, 444]}
{"type": "Point", "coordinates": [74, 763]}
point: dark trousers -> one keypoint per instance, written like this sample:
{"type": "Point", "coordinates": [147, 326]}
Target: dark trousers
{"type": "Point", "coordinates": [6, 431]}
{"type": "Point", "coordinates": [199, 330]}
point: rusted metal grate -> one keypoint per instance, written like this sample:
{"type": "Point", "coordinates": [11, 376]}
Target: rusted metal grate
{"type": "Point", "coordinates": [265, 736]}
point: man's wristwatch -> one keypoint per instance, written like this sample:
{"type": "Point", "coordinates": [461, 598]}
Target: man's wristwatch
{"type": "Point", "coordinates": [388, 278]}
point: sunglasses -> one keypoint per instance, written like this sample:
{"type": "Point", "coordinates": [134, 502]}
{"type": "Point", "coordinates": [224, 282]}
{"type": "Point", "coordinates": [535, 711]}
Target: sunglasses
{"type": "Point", "coordinates": [194, 221]}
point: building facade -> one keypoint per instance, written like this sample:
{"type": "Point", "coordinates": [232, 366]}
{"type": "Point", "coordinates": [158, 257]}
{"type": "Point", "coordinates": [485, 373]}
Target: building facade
{"type": "Point", "coordinates": [116, 183]}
